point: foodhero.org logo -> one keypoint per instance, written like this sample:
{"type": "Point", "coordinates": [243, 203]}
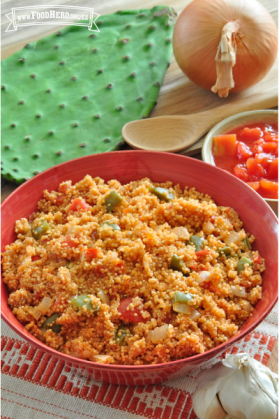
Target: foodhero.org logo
{"type": "Point", "coordinates": [52, 15]}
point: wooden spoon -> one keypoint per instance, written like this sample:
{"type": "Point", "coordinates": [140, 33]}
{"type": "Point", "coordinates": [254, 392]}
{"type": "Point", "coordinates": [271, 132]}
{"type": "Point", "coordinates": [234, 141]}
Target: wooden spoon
{"type": "Point", "coordinates": [177, 132]}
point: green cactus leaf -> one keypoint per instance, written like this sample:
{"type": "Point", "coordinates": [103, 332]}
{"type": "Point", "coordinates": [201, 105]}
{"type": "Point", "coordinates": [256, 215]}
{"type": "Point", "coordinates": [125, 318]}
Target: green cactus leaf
{"type": "Point", "coordinates": [69, 94]}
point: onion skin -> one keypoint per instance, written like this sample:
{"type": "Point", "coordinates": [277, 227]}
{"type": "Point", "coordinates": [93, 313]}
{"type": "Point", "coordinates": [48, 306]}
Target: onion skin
{"type": "Point", "coordinates": [197, 35]}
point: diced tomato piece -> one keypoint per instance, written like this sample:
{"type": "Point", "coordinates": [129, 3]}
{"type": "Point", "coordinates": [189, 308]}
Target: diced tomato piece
{"type": "Point", "coordinates": [270, 147]}
{"type": "Point", "coordinates": [64, 187]}
{"type": "Point", "coordinates": [272, 172]}
{"type": "Point", "coordinates": [271, 188]}
{"type": "Point", "coordinates": [193, 266]}
{"type": "Point", "coordinates": [243, 152]}
{"type": "Point", "coordinates": [167, 319]}
{"type": "Point", "coordinates": [203, 252]}
{"type": "Point", "coordinates": [256, 262]}
{"type": "Point", "coordinates": [263, 159]}
{"type": "Point", "coordinates": [251, 133]}
{"type": "Point", "coordinates": [70, 242]}
{"type": "Point", "coordinates": [254, 185]}
{"type": "Point", "coordinates": [224, 145]}
{"type": "Point", "coordinates": [78, 204]}
{"type": "Point", "coordinates": [210, 287]}
{"type": "Point", "coordinates": [99, 268]}
{"type": "Point", "coordinates": [259, 142]}
{"type": "Point", "coordinates": [212, 218]}
{"type": "Point", "coordinates": [257, 149]}
{"type": "Point", "coordinates": [35, 257]}
{"type": "Point", "coordinates": [45, 240]}
{"type": "Point", "coordinates": [241, 172]}
{"type": "Point", "coordinates": [254, 168]}
{"type": "Point", "coordinates": [269, 137]}
{"type": "Point", "coordinates": [134, 316]}
{"type": "Point", "coordinates": [60, 199]}
{"type": "Point", "coordinates": [258, 146]}
{"type": "Point", "coordinates": [91, 253]}
{"type": "Point", "coordinates": [256, 259]}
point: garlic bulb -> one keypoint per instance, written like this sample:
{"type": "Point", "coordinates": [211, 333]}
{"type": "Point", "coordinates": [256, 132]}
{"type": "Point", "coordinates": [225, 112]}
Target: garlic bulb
{"type": "Point", "coordinates": [239, 387]}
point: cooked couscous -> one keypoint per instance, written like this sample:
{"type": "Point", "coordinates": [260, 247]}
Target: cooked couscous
{"type": "Point", "coordinates": [131, 274]}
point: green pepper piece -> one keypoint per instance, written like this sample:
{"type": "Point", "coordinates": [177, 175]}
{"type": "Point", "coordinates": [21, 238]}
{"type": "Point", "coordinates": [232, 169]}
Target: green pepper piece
{"type": "Point", "coordinates": [120, 335]}
{"type": "Point", "coordinates": [49, 323]}
{"type": "Point", "coordinates": [161, 193]}
{"type": "Point", "coordinates": [79, 302]}
{"type": "Point", "coordinates": [176, 263]}
{"type": "Point", "coordinates": [225, 251]}
{"type": "Point", "coordinates": [112, 200]}
{"type": "Point", "coordinates": [242, 261]}
{"type": "Point", "coordinates": [110, 224]}
{"type": "Point", "coordinates": [246, 243]}
{"type": "Point", "coordinates": [39, 231]}
{"type": "Point", "coordinates": [198, 242]}
{"type": "Point", "coordinates": [181, 297]}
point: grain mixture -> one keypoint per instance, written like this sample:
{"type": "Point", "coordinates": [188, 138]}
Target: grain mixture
{"type": "Point", "coordinates": [131, 274]}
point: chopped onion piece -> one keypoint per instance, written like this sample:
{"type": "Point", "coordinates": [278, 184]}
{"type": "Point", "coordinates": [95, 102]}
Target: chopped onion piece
{"type": "Point", "coordinates": [247, 306]}
{"type": "Point", "coordinates": [45, 304]}
{"type": "Point", "coordinates": [194, 315]}
{"type": "Point", "coordinates": [9, 252]}
{"type": "Point", "coordinates": [208, 228]}
{"type": "Point", "coordinates": [182, 308]}
{"type": "Point", "coordinates": [104, 297]}
{"type": "Point", "coordinates": [158, 228]}
{"type": "Point", "coordinates": [204, 275]}
{"type": "Point", "coordinates": [76, 355]}
{"type": "Point", "coordinates": [145, 261]}
{"type": "Point", "coordinates": [239, 291]}
{"type": "Point", "coordinates": [113, 255]}
{"type": "Point", "coordinates": [102, 358]}
{"type": "Point", "coordinates": [232, 238]}
{"type": "Point", "coordinates": [72, 229]}
{"type": "Point", "coordinates": [26, 260]}
{"type": "Point", "coordinates": [181, 232]}
{"type": "Point", "coordinates": [36, 313]}
{"type": "Point", "coordinates": [158, 333]}
{"type": "Point", "coordinates": [82, 255]}
{"type": "Point", "coordinates": [227, 224]}
{"type": "Point", "coordinates": [86, 353]}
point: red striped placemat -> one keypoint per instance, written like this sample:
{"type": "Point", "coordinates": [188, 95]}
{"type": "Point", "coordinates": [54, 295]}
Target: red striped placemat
{"type": "Point", "coordinates": [37, 385]}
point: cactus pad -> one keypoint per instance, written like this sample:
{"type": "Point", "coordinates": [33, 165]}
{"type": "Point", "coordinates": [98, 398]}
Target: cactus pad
{"type": "Point", "coordinates": [69, 94]}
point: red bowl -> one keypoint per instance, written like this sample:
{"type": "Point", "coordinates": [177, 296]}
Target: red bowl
{"type": "Point", "coordinates": [126, 166]}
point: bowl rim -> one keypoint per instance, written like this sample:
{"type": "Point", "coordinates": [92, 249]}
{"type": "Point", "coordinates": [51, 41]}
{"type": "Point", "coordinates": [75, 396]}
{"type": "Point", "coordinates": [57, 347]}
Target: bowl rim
{"type": "Point", "coordinates": [195, 359]}
{"type": "Point", "coordinates": [232, 118]}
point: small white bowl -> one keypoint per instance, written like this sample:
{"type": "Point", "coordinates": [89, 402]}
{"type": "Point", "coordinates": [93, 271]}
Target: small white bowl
{"type": "Point", "coordinates": [263, 116]}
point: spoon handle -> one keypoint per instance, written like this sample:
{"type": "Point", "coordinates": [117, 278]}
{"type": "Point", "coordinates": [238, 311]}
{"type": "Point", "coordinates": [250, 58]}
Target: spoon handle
{"type": "Point", "coordinates": [207, 119]}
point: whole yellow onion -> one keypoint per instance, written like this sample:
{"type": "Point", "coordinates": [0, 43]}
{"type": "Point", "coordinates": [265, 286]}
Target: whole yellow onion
{"type": "Point", "coordinates": [225, 45]}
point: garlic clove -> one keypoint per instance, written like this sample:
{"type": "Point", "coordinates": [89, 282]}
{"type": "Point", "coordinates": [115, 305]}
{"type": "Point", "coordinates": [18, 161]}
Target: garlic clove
{"type": "Point", "coordinates": [243, 387]}
{"type": "Point", "coordinates": [242, 398]}
{"type": "Point", "coordinates": [214, 410]}
{"type": "Point", "coordinates": [266, 379]}
{"type": "Point", "coordinates": [209, 382]}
